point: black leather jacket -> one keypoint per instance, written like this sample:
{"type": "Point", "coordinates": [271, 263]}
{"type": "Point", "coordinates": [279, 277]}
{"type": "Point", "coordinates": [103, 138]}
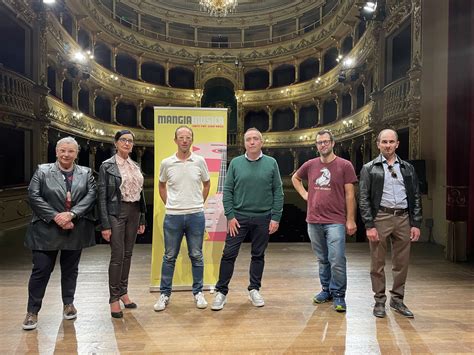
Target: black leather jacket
{"type": "Point", "coordinates": [371, 188]}
{"type": "Point", "coordinates": [47, 197]}
{"type": "Point", "coordinates": [110, 196]}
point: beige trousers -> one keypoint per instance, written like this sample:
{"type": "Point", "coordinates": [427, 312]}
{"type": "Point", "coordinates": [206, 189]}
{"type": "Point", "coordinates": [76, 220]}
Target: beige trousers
{"type": "Point", "coordinates": [397, 230]}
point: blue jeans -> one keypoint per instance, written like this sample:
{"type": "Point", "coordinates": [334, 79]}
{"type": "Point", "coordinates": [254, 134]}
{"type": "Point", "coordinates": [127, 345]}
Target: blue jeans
{"type": "Point", "coordinates": [174, 228]}
{"type": "Point", "coordinates": [329, 245]}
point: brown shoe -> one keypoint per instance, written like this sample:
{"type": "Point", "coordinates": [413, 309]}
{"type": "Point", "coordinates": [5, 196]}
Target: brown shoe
{"type": "Point", "coordinates": [30, 322]}
{"type": "Point", "coordinates": [69, 311]}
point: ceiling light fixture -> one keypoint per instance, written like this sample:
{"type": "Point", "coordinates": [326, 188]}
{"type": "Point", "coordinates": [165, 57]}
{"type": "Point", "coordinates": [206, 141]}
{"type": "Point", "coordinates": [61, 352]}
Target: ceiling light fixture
{"type": "Point", "coordinates": [218, 8]}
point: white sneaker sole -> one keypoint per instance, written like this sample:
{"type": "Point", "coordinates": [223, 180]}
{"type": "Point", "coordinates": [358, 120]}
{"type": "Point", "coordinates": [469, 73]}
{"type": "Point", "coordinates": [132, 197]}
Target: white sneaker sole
{"type": "Point", "coordinates": [256, 304]}
{"type": "Point", "coordinates": [218, 308]}
{"type": "Point", "coordinates": [201, 306]}
{"type": "Point", "coordinates": [29, 327]}
{"type": "Point", "coordinates": [70, 317]}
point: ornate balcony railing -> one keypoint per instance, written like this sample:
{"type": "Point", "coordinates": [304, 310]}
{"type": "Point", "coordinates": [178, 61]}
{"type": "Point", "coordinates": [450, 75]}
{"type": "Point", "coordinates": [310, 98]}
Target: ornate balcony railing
{"type": "Point", "coordinates": [395, 98]}
{"type": "Point", "coordinates": [209, 44]}
{"type": "Point", "coordinates": [15, 92]}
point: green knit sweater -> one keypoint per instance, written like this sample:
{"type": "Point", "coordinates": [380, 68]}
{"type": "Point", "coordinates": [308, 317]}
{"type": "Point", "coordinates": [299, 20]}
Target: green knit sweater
{"type": "Point", "coordinates": [253, 188]}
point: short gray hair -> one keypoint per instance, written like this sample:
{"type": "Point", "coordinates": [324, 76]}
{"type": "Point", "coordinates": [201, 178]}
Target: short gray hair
{"type": "Point", "coordinates": [67, 140]}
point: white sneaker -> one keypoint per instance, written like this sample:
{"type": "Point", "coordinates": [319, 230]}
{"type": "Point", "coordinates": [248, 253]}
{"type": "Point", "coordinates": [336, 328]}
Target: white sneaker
{"type": "Point", "coordinates": [256, 298]}
{"type": "Point", "coordinates": [219, 302]}
{"type": "Point", "coordinates": [201, 302]}
{"type": "Point", "coordinates": [161, 303]}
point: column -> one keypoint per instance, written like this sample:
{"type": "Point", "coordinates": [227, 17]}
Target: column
{"type": "Point", "coordinates": [296, 113]}
{"type": "Point", "coordinates": [270, 75]}
{"type": "Point", "coordinates": [167, 73]}
{"type": "Point", "coordinates": [76, 86]}
{"type": "Point", "coordinates": [242, 36]}
{"type": "Point", "coordinates": [167, 30]}
{"type": "Point", "coordinates": [139, 67]}
{"type": "Point", "coordinates": [318, 106]}
{"type": "Point", "coordinates": [353, 93]}
{"type": "Point", "coordinates": [321, 64]}
{"type": "Point", "coordinates": [139, 21]}
{"type": "Point", "coordinates": [92, 97]}
{"type": "Point", "coordinates": [296, 162]}
{"type": "Point", "coordinates": [196, 36]}
{"type": "Point", "coordinates": [338, 99]}
{"type": "Point", "coordinates": [140, 106]}
{"type": "Point", "coordinates": [297, 26]}
{"type": "Point", "coordinates": [270, 35]}
{"type": "Point", "coordinates": [60, 76]}
{"type": "Point", "coordinates": [92, 155]}
{"type": "Point", "coordinates": [240, 124]}
{"type": "Point", "coordinates": [270, 118]}
{"type": "Point", "coordinates": [113, 57]}
{"type": "Point", "coordinates": [296, 65]}
{"type": "Point", "coordinates": [113, 112]}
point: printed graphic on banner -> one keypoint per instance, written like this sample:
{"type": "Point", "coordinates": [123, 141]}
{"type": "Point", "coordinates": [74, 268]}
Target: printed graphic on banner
{"type": "Point", "coordinates": [210, 136]}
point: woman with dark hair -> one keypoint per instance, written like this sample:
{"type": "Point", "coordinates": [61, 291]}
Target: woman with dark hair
{"type": "Point", "coordinates": [122, 214]}
{"type": "Point", "coordinates": [62, 197]}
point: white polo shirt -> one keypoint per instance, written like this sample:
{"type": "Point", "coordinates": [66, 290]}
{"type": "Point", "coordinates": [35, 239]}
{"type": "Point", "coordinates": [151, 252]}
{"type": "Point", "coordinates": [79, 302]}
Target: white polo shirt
{"type": "Point", "coordinates": [184, 183]}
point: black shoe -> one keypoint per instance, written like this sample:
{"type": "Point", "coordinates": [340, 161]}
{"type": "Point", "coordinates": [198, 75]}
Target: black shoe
{"type": "Point", "coordinates": [401, 308]}
{"type": "Point", "coordinates": [379, 310]}
{"type": "Point", "coordinates": [116, 314]}
{"type": "Point", "coordinates": [129, 305]}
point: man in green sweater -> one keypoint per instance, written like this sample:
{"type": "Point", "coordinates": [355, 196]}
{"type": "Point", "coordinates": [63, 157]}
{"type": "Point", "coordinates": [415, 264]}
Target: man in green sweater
{"type": "Point", "coordinates": [253, 204]}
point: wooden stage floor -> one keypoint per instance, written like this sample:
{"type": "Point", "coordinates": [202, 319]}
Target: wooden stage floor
{"type": "Point", "coordinates": [440, 293]}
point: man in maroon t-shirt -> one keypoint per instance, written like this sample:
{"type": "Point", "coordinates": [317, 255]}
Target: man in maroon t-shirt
{"type": "Point", "coordinates": [330, 215]}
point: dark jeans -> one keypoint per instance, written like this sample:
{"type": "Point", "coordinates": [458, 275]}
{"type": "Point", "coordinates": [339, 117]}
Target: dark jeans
{"type": "Point", "coordinates": [122, 241]}
{"type": "Point", "coordinates": [43, 266]}
{"type": "Point", "coordinates": [257, 229]}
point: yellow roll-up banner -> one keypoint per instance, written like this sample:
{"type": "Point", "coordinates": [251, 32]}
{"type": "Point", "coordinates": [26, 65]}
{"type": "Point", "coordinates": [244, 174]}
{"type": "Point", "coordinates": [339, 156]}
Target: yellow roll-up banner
{"type": "Point", "coordinates": [210, 136]}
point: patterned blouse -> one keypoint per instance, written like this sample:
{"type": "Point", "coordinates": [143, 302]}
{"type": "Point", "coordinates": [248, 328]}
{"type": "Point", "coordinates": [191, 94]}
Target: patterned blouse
{"type": "Point", "coordinates": [132, 179]}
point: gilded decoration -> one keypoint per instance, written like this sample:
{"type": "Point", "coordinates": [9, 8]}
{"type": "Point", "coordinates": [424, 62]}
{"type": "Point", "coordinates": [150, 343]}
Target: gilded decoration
{"type": "Point", "coordinates": [63, 118]}
{"type": "Point", "coordinates": [341, 129]}
{"type": "Point", "coordinates": [238, 19]}
{"type": "Point", "coordinates": [140, 42]}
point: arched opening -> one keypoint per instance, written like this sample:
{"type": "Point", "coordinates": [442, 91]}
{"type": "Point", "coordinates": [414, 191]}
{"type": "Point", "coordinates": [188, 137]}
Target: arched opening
{"type": "Point", "coordinates": [153, 73]}
{"type": "Point", "coordinates": [182, 78]}
{"type": "Point", "coordinates": [330, 59]}
{"type": "Point", "coordinates": [283, 75]}
{"type": "Point", "coordinates": [102, 109]}
{"type": "Point", "coordinates": [346, 45]}
{"type": "Point", "coordinates": [219, 92]}
{"type": "Point", "coordinates": [329, 111]}
{"type": "Point", "coordinates": [148, 117]}
{"type": "Point", "coordinates": [360, 96]}
{"type": "Point", "coordinates": [257, 119]}
{"type": "Point", "coordinates": [102, 55]}
{"type": "Point", "coordinates": [126, 114]}
{"type": "Point", "coordinates": [308, 116]}
{"type": "Point", "coordinates": [346, 104]}
{"type": "Point", "coordinates": [309, 69]}
{"type": "Point", "coordinates": [126, 65]}
{"type": "Point", "coordinates": [83, 100]}
{"type": "Point", "coordinates": [283, 119]}
{"type": "Point", "coordinates": [256, 79]}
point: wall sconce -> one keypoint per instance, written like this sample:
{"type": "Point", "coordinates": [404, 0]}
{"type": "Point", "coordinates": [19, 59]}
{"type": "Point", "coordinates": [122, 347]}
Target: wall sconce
{"type": "Point", "coordinates": [349, 124]}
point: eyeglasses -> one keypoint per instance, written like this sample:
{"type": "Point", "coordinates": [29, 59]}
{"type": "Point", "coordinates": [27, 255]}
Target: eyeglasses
{"type": "Point", "coordinates": [392, 171]}
{"type": "Point", "coordinates": [125, 140]}
{"type": "Point", "coordinates": [327, 142]}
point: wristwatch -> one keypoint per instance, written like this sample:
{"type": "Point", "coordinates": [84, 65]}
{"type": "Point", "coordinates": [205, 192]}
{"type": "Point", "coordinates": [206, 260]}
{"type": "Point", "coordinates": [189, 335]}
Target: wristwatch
{"type": "Point", "coordinates": [73, 215]}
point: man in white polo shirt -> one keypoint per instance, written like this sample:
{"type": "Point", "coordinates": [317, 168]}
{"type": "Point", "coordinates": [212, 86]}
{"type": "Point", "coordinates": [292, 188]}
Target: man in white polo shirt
{"type": "Point", "coordinates": [184, 186]}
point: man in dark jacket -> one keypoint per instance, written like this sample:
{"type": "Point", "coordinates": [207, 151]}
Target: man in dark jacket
{"type": "Point", "coordinates": [390, 206]}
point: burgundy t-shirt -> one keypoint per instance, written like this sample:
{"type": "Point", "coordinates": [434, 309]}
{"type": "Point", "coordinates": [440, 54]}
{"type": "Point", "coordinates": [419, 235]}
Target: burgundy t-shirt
{"type": "Point", "coordinates": [326, 194]}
